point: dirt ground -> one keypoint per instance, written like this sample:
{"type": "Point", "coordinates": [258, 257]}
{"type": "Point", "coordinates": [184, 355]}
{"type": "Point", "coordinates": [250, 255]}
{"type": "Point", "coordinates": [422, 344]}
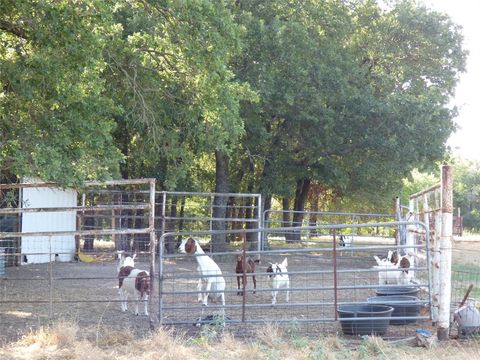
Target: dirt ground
{"type": "Point", "coordinates": [86, 294]}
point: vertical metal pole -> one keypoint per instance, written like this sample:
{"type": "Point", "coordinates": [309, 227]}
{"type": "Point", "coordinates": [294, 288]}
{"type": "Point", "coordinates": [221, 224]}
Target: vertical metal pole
{"type": "Point", "coordinates": [398, 217]}
{"type": "Point", "coordinates": [429, 268]}
{"type": "Point", "coordinates": [164, 210]}
{"type": "Point", "coordinates": [259, 223]}
{"type": "Point", "coordinates": [244, 275]}
{"type": "Point", "coordinates": [160, 260]}
{"type": "Point", "coordinates": [50, 279]}
{"type": "Point", "coordinates": [436, 264]}
{"type": "Point", "coordinates": [335, 283]}
{"type": "Point", "coordinates": [19, 239]}
{"type": "Point", "coordinates": [445, 254]}
{"type": "Point", "coordinates": [212, 200]}
{"type": "Point", "coordinates": [113, 228]}
{"type": "Point", "coordinates": [151, 227]}
{"type": "Point", "coordinates": [410, 229]}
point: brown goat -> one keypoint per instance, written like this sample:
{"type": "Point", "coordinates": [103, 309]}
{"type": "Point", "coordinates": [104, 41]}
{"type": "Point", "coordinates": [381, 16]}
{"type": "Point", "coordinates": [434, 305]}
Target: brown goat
{"type": "Point", "coordinates": [249, 269]}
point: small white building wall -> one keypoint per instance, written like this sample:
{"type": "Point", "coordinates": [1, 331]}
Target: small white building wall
{"type": "Point", "coordinates": [42, 249]}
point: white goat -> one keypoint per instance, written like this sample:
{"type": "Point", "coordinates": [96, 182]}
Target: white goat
{"type": "Point", "coordinates": [132, 281]}
{"type": "Point", "coordinates": [345, 240]}
{"type": "Point", "coordinates": [389, 265]}
{"type": "Point", "coordinates": [396, 269]}
{"type": "Point", "coordinates": [214, 285]}
{"type": "Point", "coordinates": [279, 278]}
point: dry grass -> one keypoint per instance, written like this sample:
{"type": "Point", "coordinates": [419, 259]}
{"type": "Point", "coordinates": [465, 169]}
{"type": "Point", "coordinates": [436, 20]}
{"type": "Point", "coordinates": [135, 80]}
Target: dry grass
{"type": "Point", "coordinates": [64, 341]}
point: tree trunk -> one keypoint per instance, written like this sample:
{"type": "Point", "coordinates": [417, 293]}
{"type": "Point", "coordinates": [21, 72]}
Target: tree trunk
{"type": "Point", "coordinates": [251, 213]}
{"type": "Point", "coordinates": [231, 214]}
{"type": "Point", "coordinates": [314, 208]}
{"type": "Point", "coordinates": [170, 225]}
{"type": "Point", "coordinates": [238, 214]}
{"type": "Point", "coordinates": [122, 240]}
{"type": "Point", "coordinates": [158, 221]}
{"type": "Point", "coordinates": [182, 220]}
{"type": "Point", "coordinates": [88, 224]}
{"type": "Point", "coordinates": [220, 202]}
{"type": "Point", "coordinates": [267, 205]}
{"type": "Point", "coordinates": [301, 193]}
{"type": "Point", "coordinates": [286, 216]}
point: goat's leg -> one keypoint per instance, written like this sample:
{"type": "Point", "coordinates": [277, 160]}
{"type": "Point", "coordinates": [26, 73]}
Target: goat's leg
{"type": "Point", "coordinates": [238, 286]}
{"type": "Point", "coordinates": [207, 290]}
{"type": "Point", "coordinates": [139, 298]}
{"type": "Point", "coordinates": [145, 305]}
{"type": "Point", "coordinates": [125, 300]}
{"type": "Point", "coordinates": [254, 283]}
{"type": "Point", "coordinates": [274, 297]}
{"type": "Point", "coordinates": [199, 289]}
{"type": "Point", "coordinates": [122, 301]}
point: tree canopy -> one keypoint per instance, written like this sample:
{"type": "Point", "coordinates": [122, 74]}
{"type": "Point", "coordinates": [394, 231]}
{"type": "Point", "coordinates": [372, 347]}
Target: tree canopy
{"type": "Point", "coordinates": [271, 96]}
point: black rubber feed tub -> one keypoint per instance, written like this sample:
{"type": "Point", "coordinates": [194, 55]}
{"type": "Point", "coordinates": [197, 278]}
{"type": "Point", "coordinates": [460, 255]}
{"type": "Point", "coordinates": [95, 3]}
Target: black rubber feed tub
{"type": "Point", "coordinates": [359, 326]}
{"type": "Point", "coordinates": [401, 308]}
{"type": "Point", "coordinates": [397, 290]}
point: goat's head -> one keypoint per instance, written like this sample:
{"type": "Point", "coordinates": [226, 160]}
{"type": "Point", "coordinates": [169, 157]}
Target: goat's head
{"type": "Point", "coordinates": [270, 269]}
{"type": "Point", "coordinates": [239, 259]}
{"type": "Point", "coordinates": [188, 246]}
{"type": "Point", "coordinates": [394, 257]}
{"type": "Point", "coordinates": [125, 259]}
{"type": "Point", "coordinates": [276, 268]}
{"type": "Point", "coordinates": [405, 264]}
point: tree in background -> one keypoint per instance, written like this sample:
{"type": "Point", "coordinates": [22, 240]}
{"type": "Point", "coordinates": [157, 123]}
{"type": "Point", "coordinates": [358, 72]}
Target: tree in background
{"type": "Point", "coordinates": [466, 192]}
{"type": "Point", "coordinates": [346, 97]}
{"type": "Point", "coordinates": [55, 120]}
{"type": "Point", "coordinates": [169, 70]}
{"type": "Point", "coordinates": [466, 189]}
{"type": "Point", "coordinates": [348, 94]}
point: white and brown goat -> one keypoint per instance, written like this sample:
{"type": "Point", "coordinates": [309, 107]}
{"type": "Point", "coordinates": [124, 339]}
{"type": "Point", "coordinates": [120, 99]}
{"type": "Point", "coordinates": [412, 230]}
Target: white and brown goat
{"type": "Point", "coordinates": [280, 279]}
{"type": "Point", "coordinates": [395, 268]}
{"type": "Point", "coordinates": [132, 281]}
{"type": "Point", "coordinates": [211, 282]}
{"type": "Point", "coordinates": [247, 266]}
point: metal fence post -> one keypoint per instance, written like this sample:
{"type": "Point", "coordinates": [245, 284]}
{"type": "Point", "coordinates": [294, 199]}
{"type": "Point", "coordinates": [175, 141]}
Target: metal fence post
{"type": "Point", "coordinates": [445, 254]}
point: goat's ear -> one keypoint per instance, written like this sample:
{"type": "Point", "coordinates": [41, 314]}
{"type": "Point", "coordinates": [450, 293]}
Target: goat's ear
{"type": "Point", "coordinates": [134, 256]}
{"type": "Point", "coordinates": [285, 262]}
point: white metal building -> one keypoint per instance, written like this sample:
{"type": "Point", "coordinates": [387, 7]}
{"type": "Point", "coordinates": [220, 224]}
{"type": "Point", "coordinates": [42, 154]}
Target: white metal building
{"type": "Point", "coordinates": [36, 249]}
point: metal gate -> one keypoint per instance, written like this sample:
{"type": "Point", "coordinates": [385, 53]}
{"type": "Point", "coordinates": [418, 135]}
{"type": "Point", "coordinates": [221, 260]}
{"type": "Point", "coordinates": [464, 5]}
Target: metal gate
{"type": "Point", "coordinates": [323, 276]}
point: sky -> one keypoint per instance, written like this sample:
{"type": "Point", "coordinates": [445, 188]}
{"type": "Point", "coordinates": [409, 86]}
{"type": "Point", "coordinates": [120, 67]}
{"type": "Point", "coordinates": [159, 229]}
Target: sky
{"type": "Point", "coordinates": [465, 142]}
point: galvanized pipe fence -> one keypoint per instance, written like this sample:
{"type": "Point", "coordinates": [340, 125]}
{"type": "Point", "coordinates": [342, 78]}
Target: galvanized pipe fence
{"type": "Point", "coordinates": [321, 279]}
{"type": "Point", "coordinates": [323, 275]}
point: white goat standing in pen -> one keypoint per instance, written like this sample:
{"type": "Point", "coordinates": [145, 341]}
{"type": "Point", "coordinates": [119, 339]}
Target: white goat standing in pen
{"type": "Point", "coordinates": [396, 269]}
{"type": "Point", "coordinates": [279, 278]}
{"type": "Point", "coordinates": [132, 281]}
{"type": "Point", "coordinates": [214, 285]}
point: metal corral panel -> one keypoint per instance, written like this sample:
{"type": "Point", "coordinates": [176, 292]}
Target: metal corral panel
{"type": "Point", "coordinates": [36, 249]}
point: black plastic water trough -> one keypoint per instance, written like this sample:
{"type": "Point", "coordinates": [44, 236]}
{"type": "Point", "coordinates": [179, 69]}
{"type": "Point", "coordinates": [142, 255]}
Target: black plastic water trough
{"type": "Point", "coordinates": [403, 305]}
{"type": "Point", "coordinates": [397, 290]}
{"type": "Point", "coordinates": [358, 326]}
